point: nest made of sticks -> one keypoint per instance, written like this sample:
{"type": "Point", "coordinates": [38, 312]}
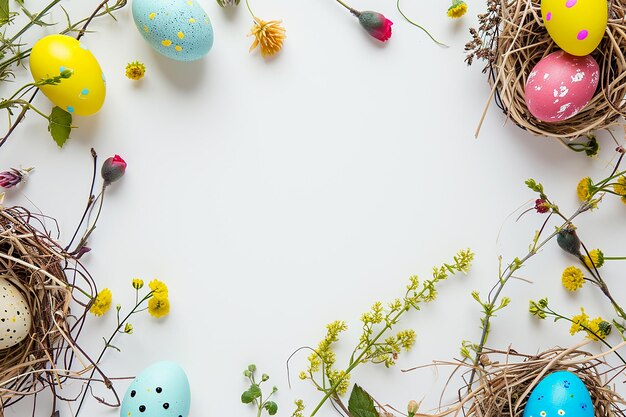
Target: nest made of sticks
{"type": "Point", "coordinates": [505, 379]}
{"type": "Point", "coordinates": [51, 281]}
{"type": "Point", "coordinates": [512, 38]}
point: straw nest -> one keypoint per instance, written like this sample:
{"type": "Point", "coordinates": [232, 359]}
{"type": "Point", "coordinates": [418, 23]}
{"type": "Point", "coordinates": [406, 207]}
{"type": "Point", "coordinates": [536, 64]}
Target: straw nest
{"type": "Point", "coordinates": [512, 38]}
{"type": "Point", "coordinates": [505, 379]}
{"type": "Point", "coordinates": [50, 279]}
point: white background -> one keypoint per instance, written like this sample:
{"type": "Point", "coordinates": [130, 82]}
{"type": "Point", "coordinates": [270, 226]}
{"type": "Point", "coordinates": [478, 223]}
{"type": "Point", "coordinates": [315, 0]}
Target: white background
{"type": "Point", "coordinates": [276, 196]}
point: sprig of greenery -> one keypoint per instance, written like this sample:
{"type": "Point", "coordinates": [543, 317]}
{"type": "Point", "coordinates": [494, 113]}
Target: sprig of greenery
{"type": "Point", "coordinates": [254, 394]}
{"type": "Point", "coordinates": [376, 345]}
{"type": "Point", "coordinates": [472, 351]}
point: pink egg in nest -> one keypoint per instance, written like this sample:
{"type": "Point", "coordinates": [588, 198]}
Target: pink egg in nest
{"type": "Point", "coordinates": [561, 85]}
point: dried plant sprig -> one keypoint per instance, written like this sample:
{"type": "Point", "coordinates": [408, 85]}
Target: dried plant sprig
{"type": "Point", "coordinates": [376, 345]}
{"type": "Point", "coordinates": [473, 351]}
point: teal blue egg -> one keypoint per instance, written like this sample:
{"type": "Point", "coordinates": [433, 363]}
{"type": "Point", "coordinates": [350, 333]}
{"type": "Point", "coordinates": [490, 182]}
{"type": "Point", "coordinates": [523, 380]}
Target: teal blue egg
{"type": "Point", "coordinates": [161, 390]}
{"type": "Point", "coordinates": [178, 29]}
{"type": "Point", "coordinates": [559, 394]}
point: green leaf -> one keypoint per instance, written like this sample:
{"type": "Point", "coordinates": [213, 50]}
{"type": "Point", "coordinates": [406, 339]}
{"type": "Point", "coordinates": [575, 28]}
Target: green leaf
{"type": "Point", "coordinates": [271, 407]}
{"type": "Point", "coordinates": [4, 12]}
{"type": "Point", "coordinates": [361, 403]}
{"type": "Point", "coordinates": [251, 394]}
{"type": "Point", "coordinates": [60, 125]}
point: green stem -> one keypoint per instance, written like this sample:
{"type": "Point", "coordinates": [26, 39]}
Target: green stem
{"type": "Point", "coordinates": [418, 26]}
{"type": "Point", "coordinates": [615, 258]}
{"type": "Point", "coordinates": [83, 240]}
{"type": "Point", "coordinates": [250, 9]}
{"type": "Point", "coordinates": [353, 11]}
{"type": "Point", "coordinates": [29, 24]}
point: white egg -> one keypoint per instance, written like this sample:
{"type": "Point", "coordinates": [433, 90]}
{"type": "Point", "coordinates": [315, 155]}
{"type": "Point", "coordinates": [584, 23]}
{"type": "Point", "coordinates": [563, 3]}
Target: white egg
{"type": "Point", "coordinates": [15, 317]}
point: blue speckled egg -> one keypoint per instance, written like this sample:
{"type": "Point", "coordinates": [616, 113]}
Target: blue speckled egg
{"type": "Point", "coordinates": [161, 390]}
{"type": "Point", "coordinates": [178, 29]}
{"type": "Point", "coordinates": [561, 393]}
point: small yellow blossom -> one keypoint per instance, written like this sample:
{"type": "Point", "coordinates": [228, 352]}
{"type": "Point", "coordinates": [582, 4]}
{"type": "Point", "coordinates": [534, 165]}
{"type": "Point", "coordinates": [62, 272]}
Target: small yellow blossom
{"type": "Point", "coordinates": [598, 329]}
{"type": "Point", "coordinates": [128, 329]}
{"type": "Point", "coordinates": [158, 306]}
{"type": "Point", "coordinates": [572, 278]}
{"type": "Point", "coordinates": [458, 9]}
{"type": "Point", "coordinates": [302, 375]}
{"type": "Point", "coordinates": [620, 186]}
{"type": "Point", "coordinates": [137, 283]}
{"type": "Point", "coordinates": [268, 36]}
{"type": "Point", "coordinates": [584, 189]}
{"type": "Point", "coordinates": [135, 70]}
{"type": "Point", "coordinates": [158, 288]}
{"type": "Point", "coordinates": [578, 321]}
{"type": "Point", "coordinates": [102, 303]}
{"type": "Point", "coordinates": [596, 256]}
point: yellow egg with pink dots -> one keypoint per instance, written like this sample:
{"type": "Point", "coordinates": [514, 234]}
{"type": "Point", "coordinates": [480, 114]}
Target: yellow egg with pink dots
{"type": "Point", "coordinates": [576, 26]}
{"type": "Point", "coordinates": [83, 92]}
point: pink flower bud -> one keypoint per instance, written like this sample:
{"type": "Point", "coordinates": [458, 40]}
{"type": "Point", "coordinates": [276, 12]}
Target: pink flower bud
{"type": "Point", "coordinates": [113, 169]}
{"type": "Point", "coordinates": [9, 179]}
{"type": "Point", "coordinates": [375, 24]}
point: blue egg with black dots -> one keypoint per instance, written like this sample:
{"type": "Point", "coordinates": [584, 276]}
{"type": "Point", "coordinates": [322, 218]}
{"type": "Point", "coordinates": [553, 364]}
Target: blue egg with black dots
{"type": "Point", "coordinates": [179, 29]}
{"type": "Point", "coordinates": [161, 390]}
{"type": "Point", "coordinates": [559, 394]}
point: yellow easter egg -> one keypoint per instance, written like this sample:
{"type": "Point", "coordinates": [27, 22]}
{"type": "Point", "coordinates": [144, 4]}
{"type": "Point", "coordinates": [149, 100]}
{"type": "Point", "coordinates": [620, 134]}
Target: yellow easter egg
{"type": "Point", "coordinates": [576, 26]}
{"type": "Point", "coordinates": [84, 91]}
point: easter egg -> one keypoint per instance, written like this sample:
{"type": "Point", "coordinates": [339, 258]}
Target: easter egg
{"type": "Point", "coordinates": [577, 26]}
{"type": "Point", "coordinates": [161, 390]}
{"type": "Point", "coordinates": [178, 29]}
{"type": "Point", "coordinates": [84, 91]}
{"type": "Point", "coordinates": [560, 86]}
{"type": "Point", "coordinates": [560, 393]}
{"type": "Point", "coordinates": [15, 317]}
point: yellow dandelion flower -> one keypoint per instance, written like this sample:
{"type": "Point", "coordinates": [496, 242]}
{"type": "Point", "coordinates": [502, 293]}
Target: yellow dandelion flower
{"type": "Point", "coordinates": [158, 288]}
{"type": "Point", "coordinates": [458, 9]}
{"type": "Point", "coordinates": [268, 36]}
{"type": "Point", "coordinates": [572, 278]}
{"type": "Point", "coordinates": [584, 189]}
{"type": "Point", "coordinates": [598, 329]}
{"type": "Point", "coordinates": [578, 321]}
{"type": "Point", "coordinates": [158, 306]}
{"type": "Point", "coordinates": [102, 302]}
{"type": "Point", "coordinates": [137, 283]}
{"type": "Point", "coordinates": [596, 256]}
{"type": "Point", "coordinates": [135, 70]}
{"type": "Point", "coordinates": [620, 186]}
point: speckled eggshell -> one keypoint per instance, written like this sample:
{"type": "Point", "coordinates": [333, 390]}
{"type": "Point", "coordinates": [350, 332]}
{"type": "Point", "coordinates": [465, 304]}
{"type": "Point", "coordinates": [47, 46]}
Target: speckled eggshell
{"type": "Point", "coordinates": [560, 86]}
{"type": "Point", "coordinates": [178, 29]}
{"type": "Point", "coordinates": [84, 92]}
{"type": "Point", "coordinates": [15, 317]}
{"type": "Point", "coordinates": [161, 390]}
{"type": "Point", "coordinates": [577, 26]}
{"type": "Point", "coordinates": [559, 394]}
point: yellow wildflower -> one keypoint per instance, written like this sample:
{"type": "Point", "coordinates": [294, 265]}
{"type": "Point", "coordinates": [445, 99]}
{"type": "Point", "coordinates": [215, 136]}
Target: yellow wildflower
{"type": "Point", "coordinates": [596, 256]}
{"type": "Point", "coordinates": [572, 278]}
{"type": "Point", "coordinates": [598, 329]}
{"type": "Point", "coordinates": [137, 283]}
{"type": "Point", "coordinates": [578, 321]}
{"type": "Point", "coordinates": [102, 302]}
{"type": "Point", "coordinates": [584, 189]}
{"type": "Point", "coordinates": [268, 36]}
{"type": "Point", "coordinates": [620, 186]}
{"type": "Point", "coordinates": [128, 329]}
{"type": "Point", "coordinates": [158, 288]}
{"type": "Point", "coordinates": [458, 9]}
{"type": "Point", "coordinates": [135, 70]}
{"type": "Point", "coordinates": [158, 306]}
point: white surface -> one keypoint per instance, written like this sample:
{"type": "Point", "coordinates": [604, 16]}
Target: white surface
{"type": "Point", "coordinates": [276, 196]}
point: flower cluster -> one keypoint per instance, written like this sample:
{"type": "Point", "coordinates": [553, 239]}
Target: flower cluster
{"type": "Point", "coordinates": [159, 303]}
{"type": "Point", "coordinates": [135, 70]}
{"type": "Point", "coordinates": [572, 278]}
{"type": "Point", "coordinates": [596, 329]}
{"type": "Point", "coordinates": [457, 9]}
{"type": "Point", "coordinates": [101, 303]}
{"type": "Point", "coordinates": [620, 188]}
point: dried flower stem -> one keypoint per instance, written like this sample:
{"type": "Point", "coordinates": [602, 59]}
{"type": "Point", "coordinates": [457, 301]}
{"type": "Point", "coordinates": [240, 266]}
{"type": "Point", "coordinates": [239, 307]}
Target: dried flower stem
{"type": "Point", "coordinates": [418, 26]}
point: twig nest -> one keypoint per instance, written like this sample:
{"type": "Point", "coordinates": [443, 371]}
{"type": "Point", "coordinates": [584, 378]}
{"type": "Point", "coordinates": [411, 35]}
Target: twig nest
{"type": "Point", "coordinates": [512, 39]}
{"type": "Point", "coordinates": [503, 386]}
{"type": "Point", "coordinates": [49, 280]}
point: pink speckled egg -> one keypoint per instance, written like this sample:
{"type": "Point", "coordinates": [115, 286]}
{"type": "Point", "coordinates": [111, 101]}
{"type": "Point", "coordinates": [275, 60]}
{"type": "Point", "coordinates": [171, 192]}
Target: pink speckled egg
{"type": "Point", "coordinates": [561, 85]}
